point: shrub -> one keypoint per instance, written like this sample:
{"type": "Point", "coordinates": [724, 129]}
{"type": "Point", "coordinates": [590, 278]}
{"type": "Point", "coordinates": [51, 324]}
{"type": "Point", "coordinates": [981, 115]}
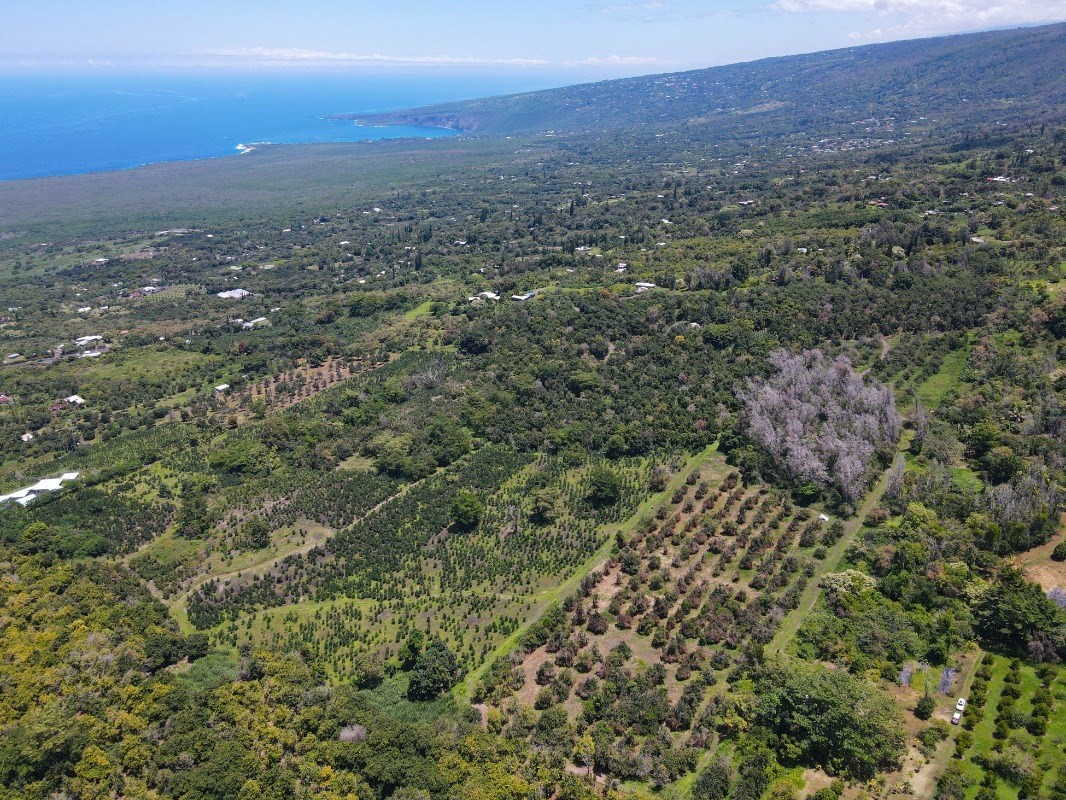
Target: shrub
{"type": "Point", "coordinates": [925, 707]}
{"type": "Point", "coordinates": [963, 742]}
{"type": "Point", "coordinates": [930, 737]}
{"type": "Point", "coordinates": [714, 782]}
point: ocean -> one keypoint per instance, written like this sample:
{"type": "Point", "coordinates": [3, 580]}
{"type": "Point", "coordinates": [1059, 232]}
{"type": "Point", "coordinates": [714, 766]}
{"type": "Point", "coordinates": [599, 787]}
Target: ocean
{"type": "Point", "coordinates": [63, 124]}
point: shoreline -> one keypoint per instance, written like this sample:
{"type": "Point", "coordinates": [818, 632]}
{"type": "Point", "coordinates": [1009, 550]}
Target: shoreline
{"type": "Point", "coordinates": [243, 149]}
{"type": "Point", "coordinates": [403, 119]}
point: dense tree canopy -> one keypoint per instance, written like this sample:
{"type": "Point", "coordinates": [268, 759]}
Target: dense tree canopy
{"type": "Point", "coordinates": [831, 719]}
{"type": "Point", "coordinates": [1015, 615]}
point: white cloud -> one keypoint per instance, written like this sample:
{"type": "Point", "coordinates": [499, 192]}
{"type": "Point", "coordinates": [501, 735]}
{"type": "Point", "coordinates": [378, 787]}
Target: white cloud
{"type": "Point", "coordinates": [293, 55]}
{"type": "Point", "coordinates": [599, 61]}
{"type": "Point", "coordinates": [632, 11]}
{"type": "Point", "coordinates": [658, 11]}
{"type": "Point", "coordinates": [936, 16]}
{"type": "Point", "coordinates": [271, 56]}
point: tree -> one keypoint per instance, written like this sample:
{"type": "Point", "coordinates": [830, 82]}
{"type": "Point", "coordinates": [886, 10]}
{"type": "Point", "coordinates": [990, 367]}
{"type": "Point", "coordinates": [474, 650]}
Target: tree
{"type": "Point", "coordinates": [466, 510]}
{"type": "Point", "coordinates": [584, 753]}
{"type": "Point", "coordinates": [925, 706]}
{"type": "Point", "coordinates": [605, 487]}
{"type": "Point", "coordinates": [194, 520]}
{"type": "Point", "coordinates": [412, 648]}
{"type": "Point", "coordinates": [1015, 616]}
{"type": "Point", "coordinates": [256, 534]}
{"type": "Point", "coordinates": [197, 645]}
{"type": "Point", "coordinates": [435, 670]}
{"type": "Point", "coordinates": [241, 458]}
{"type": "Point", "coordinates": [831, 792]}
{"type": "Point", "coordinates": [364, 305]}
{"type": "Point", "coordinates": [545, 673]}
{"type": "Point", "coordinates": [1001, 464]}
{"type": "Point", "coordinates": [754, 774]}
{"type": "Point", "coordinates": [819, 420]}
{"type": "Point", "coordinates": [36, 538]}
{"type": "Point", "coordinates": [367, 671]}
{"type": "Point", "coordinates": [447, 440]}
{"type": "Point", "coordinates": [474, 340]}
{"type": "Point", "coordinates": [544, 506]}
{"type": "Point", "coordinates": [714, 782]}
{"type": "Point", "coordinates": [952, 784]}
{"type": "Point", "coordinates": [93, 773]}
{"type": "Point", "coordinates": [1026, 509]}
{"type": "Point", "coordinates": [404, 457]}
{"type": "Point", "coordinates": [831, 719]}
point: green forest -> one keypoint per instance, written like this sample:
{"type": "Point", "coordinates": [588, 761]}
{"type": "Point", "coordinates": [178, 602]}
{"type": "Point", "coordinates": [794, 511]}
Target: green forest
{"type": "Point", "coordinates": [671, 454]}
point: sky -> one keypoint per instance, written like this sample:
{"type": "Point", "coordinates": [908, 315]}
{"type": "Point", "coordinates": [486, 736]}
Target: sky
{"type": "Point", "coordinates": [582, 38]}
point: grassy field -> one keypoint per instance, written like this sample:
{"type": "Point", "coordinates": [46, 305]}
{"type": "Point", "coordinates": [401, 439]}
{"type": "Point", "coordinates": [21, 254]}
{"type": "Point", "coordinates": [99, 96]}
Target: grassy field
{"type": "Point", "coordinates": [932, 391]}
{"type": "Point", "coordinates": [966, 478]}
{"type": "Point", "coordinates": [293, 539]}
{"type": "Point", "coordinates": [983, 732]}
{"type": "Point", "coordinates": [420, 310]}
{"type": "Point", "coordinates": [1048, 752]}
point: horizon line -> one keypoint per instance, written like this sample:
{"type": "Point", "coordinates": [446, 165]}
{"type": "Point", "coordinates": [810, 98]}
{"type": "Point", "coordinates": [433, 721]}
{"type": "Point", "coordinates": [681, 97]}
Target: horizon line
{"type": "Point", "coordinates": [302, 58]}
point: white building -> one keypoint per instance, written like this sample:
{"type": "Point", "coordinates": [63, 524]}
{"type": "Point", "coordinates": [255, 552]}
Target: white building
{"type": "Point", "coordinates": [26, 496]}
{"type": "Point", "coordinates": [234, 294]}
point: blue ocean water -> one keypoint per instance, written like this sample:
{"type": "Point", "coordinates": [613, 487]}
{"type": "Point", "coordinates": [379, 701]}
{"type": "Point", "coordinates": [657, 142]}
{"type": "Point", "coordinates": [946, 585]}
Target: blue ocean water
{"type": "Point", "coordinates": [62, 124]}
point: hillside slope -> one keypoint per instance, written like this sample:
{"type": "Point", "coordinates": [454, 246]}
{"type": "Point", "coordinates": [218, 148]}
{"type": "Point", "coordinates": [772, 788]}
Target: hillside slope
{"type": "Point", "coordinates": [997, 75]}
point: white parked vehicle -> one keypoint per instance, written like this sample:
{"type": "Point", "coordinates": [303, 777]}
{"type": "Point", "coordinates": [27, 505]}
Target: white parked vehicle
{"type": "Point", "coordinates": [961, 705]}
